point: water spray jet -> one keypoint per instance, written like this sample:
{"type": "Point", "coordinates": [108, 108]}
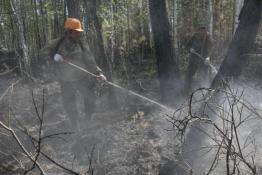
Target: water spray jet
{"type": "Point", "coordinates": [120, 87]}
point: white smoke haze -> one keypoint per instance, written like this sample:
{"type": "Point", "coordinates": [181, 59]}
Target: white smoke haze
{"type": "Point", "coordinates": [135, 136]}
{"type": "Point", "coordinates": [243, 103]}
{"type": "Point", "coordinates": [121, 141]}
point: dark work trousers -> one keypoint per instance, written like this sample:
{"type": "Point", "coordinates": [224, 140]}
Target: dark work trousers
{"type": "Point", "coordinates": [69, 91]}
{"type": "Point", "coordinates": [194, 65]}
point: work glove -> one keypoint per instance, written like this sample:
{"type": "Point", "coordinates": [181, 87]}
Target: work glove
{"type": "Point", "coordinates": [191, 50]}
{"type": "Point", "coordinates": [101, 77]}
{"type": "Point", "coordinates": [207, 61]}
{"type": "Point", "coordinates": [58, 58]}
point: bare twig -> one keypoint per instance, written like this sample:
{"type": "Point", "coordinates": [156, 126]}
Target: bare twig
{"type": "Point", "coordinates": [7, 90]}
{"type": "Point", "coordinates": [22, 147]}
{"type": "Point", "coordinates": [228, 134]}
{"type": "Point", "coordinates": [58, 164]}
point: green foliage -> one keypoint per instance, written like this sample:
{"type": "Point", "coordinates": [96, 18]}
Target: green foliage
{"type": "Point", "coordinates": [125, 24]}
{"type": "Point", "coordinates": [123, 17]}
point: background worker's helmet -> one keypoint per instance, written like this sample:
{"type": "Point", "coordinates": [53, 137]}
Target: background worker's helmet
{"type": "Point", "coordinates": [73, 24]}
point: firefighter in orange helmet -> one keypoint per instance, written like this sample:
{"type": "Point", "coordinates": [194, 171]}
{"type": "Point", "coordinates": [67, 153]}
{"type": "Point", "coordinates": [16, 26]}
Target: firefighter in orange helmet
{"type": "Point", "coordinates": [72, 48]}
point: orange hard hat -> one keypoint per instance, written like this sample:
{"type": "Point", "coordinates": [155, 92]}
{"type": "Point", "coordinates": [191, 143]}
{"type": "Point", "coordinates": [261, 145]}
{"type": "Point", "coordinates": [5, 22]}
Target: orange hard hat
{"type": "Point", "coordinates": [73, 24]}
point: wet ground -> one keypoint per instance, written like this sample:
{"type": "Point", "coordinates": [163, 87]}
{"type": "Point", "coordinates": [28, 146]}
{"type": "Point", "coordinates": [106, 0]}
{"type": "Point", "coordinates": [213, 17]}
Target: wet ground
{"type": "Point", "coordinates": [119, 141]}
{"type": "Point", "coordinates": [131, 138]}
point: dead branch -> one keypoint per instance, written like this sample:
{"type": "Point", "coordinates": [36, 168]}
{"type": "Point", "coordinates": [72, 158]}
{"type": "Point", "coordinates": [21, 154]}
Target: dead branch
{"type": "Point", "coordinates": [37, 142]}
{"type": "Point", "coordinates": [58, 164]}
{"type": "Point", "coordinates": [228, 134]}
{"type": "Point", "coordinates": [8, 89]}
{"type": "Point", "coordinates": [40, 118]}
{"type": "Point", "coordinates": [22, 147]}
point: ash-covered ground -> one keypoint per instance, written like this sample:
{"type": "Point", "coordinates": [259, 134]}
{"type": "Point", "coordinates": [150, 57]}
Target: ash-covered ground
{"type": "Point", "coordinates": [131, 138]}
{"type": "Point", "coordinates": [117, 139]}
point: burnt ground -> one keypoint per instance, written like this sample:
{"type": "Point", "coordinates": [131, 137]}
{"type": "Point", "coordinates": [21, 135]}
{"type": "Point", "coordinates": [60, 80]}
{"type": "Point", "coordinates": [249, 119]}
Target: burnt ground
{"type": "Point", "coordinates": [130, 138]}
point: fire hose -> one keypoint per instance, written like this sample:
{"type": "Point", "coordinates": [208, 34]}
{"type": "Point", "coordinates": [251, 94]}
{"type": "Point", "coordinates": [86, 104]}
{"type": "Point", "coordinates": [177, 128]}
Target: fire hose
{"type": "Point", "coordinates": [117, 86]}
{"type": "Point", "coordinates": [212, 67]}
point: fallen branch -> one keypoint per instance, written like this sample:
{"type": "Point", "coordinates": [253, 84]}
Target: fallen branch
{"type": "Point", "coordinates": [22, 146]}
{"type": "Point", "coordinates": [7, 90]}
{"type": "Point", "coordinates": [58, 164]}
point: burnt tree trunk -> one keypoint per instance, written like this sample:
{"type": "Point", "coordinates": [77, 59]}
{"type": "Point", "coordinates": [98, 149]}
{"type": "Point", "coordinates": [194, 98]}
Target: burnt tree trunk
{"type": "Point", "coordinates": [26, 60]}
{"type": "Point", "coordinates": [73, 7]}
{"type": "Point", "coordinates": [167, 67]}
{"type": "Point", "coordinates": [102, 59]}
{"type": "Point", "coordinates": [56, 29]}
{"type": "Point", "coordinates": [241, 44]}
{"type": "Point", "coordinates": [99, 43]}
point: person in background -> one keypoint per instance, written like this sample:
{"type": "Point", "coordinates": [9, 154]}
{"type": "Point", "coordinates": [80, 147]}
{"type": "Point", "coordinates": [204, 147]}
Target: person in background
{"type": "Point", "coordinates": [199, 47]}
{"type": "Point", "coordinates": [71, 48]}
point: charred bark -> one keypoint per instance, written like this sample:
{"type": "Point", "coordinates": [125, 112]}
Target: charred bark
{"type": "Point", "coordinates": [73, 8]}
{"type": "Point", "coordinates": [26, 60]}
{"type": "Point", "coordinates": [102, 59]}
{"type": "Point", "coordinates": [167, 66]}
{"type": "Point", "coordinates": [9, 61]}
{"type": "Point", "coordinates": [100, 50]}
{"type": "Point", "coordinates": [241, 44]}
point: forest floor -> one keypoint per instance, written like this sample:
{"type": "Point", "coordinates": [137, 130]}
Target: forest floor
{"type": "Point", "coordinates": [131, 138]}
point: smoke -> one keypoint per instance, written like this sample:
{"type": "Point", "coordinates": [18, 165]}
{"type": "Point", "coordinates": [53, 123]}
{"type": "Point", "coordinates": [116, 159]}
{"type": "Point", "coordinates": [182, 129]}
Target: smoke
{"type": "Point", "coordinates": [127, 134]}
{"type": "Point", "coordinates": [236, 117]}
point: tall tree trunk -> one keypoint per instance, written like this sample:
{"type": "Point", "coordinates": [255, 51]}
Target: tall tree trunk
{"type": "Point", "coordinates": [55, 19]}
{"type": "Point", "coordinates": [237, 6]}
{"type": "Point", "coordinates": [167, 67]}
{"type": "Point", "coordinates": [37, 31]}
{"type": "Point", "coordinates": [17, 10]}
{"type": "Point", "coordinates": [112, 37]}
{"type": "Point", "coordinates": [103, 60]}
{"type": "Point", "coordinates": [175, 23]}
{"type": "Point", "coordinates": [44, 22]}
{"type": "Point", "coordinates": [241, 44]}
{"type": "Point", "coordinates": [211, 22]}
{"type": "Point", "coordinates": [100, 54]}
{"type": "Point", "coordinates": [73, 8]}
